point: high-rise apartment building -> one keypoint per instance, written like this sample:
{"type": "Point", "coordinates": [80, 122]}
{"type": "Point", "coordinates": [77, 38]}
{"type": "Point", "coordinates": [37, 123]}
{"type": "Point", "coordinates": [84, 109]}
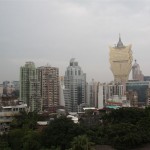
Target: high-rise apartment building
{"type": "Point", "coordinates": [92, 93]}
{"type": "Point", "coordinates": [136, 72]}
{"type": "Point", "coordinates": [120, 61]}
{"type": "Point", "coordinates": [49, 83]}
{"type": "Point", "coordinates": [75, 87]}
{"type": "Point", "coordinates": [30, 87]}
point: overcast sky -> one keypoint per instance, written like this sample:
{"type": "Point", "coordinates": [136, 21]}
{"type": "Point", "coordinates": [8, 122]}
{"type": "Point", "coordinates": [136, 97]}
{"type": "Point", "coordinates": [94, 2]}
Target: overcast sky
{"type": "Point", "coordinates": [54, 31]}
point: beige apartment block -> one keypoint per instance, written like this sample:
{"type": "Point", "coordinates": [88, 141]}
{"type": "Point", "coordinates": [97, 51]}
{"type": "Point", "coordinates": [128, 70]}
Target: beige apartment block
{"type": "Point", "coordinates": [49, 82]}
{"type": "Point", "coordinates": [120, 61]}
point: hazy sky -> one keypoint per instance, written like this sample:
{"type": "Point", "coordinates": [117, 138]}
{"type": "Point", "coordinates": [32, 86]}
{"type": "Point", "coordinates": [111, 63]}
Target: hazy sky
{"type": "Point", "coordinates": [53, 31]}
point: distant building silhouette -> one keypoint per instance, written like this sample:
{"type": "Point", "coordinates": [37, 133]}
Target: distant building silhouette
{"type": "Point", "coordinates": [136, 72]}
{"type": "Point", "coordinates": [146, 78]}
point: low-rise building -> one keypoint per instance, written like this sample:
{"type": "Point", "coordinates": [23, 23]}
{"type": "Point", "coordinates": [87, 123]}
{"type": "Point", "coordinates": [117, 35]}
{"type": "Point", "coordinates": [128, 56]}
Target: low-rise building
{"type": "Point", "coordinates": [7, 114]}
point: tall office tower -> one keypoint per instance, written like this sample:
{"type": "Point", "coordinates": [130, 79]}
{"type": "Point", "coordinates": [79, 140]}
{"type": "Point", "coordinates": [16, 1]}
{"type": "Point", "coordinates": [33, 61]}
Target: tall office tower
{"type": "Point", "coordinates": [61, 91]}
{"type": "Point", "coordinates": [101, 96]}
{"type": "Point", "coordinates": [49, 82]}
{"type": "Point", "coordinates": [136, 72]}
{"type": "Point", "coordinates": [75, 87]}
{"type": "Point", "coordinates": [92, 94]}
{"type": "Point", "coordinates": [30, 87]}
{"type": "Point", "coordinates": [120, 61]}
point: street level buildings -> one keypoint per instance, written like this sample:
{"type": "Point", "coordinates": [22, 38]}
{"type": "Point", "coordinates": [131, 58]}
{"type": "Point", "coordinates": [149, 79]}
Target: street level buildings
{"type": "Point", "coordinates": [120, 61]}
{"type": "Point", "coordinates": [114, 93]}
{"type": "Point", "coordinates": [7, 114]}
{"type": "Point", "coordinates": [111, 95]}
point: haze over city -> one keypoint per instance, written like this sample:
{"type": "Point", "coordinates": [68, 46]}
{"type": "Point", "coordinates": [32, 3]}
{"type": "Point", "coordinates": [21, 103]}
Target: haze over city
{"type": "Point", "coordinates": [53, 32]}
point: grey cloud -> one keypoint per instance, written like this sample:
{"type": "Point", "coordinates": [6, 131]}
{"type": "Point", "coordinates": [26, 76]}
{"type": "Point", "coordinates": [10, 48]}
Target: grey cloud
{"type": "Point", "coordinates": [47, 31]}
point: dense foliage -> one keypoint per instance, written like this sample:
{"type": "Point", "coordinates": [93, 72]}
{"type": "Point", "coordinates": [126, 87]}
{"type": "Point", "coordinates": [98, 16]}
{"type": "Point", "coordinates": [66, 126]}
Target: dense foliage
{"type": "Point", "coordinates": [124, 128]}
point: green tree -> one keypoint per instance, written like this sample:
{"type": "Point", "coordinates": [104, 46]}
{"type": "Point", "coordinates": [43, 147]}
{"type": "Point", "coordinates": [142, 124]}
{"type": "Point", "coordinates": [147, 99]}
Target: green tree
{"type": "Point", "coordinates": [32, 140]}
{"type": "Point", "coordinates": [15, 139]}
{"type": "Point", "coordinates": [22, 139]}
{"type": "Point", "coordinates": [81, 142]}
{"type": "Point", "coordinates": [124, 115]}
{"type": "Point", "coordinates": [60, 133]}
{"type": "Point", "coordinates": [25, 120]}
{"type": "Point", "coordinates": [124, 135]}
{"type": "Point", "coordinates": [4, 142]}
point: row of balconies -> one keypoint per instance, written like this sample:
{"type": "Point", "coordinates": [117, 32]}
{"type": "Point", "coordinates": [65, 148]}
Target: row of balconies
{"type": "Point", "coordinates": [8, 114]}
{"type": "Point", "coordinates": [7, 117]}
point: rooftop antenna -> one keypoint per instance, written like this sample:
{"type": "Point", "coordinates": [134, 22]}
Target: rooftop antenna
{"type": "Point", "coordinates": [119, 36]}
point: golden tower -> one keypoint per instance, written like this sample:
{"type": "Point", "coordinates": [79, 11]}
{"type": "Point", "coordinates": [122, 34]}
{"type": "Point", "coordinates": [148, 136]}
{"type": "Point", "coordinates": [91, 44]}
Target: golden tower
{"type": "Point", "coordinates": [120, 61]}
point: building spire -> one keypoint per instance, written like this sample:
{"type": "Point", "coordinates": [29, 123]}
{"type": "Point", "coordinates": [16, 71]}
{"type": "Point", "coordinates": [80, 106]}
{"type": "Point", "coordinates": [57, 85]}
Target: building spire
{"type": "Point", "coordinates": [119, 37]}
{"type": "Point", "coordinates": [120, 44]}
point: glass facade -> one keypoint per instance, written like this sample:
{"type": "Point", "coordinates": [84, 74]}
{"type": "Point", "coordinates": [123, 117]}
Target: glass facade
{"type": "Point", "coordinates": [146, 78]}
{"type": "Point", "coordinates": [141, 88]}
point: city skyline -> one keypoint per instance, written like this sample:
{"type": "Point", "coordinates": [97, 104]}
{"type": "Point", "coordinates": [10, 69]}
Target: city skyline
{"type": "Point", "coordinates": [53, 32]}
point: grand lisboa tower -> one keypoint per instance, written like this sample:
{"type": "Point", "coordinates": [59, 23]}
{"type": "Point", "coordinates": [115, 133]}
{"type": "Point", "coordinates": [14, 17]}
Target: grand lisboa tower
{"type": "Point", "coordinates": [120, 58]}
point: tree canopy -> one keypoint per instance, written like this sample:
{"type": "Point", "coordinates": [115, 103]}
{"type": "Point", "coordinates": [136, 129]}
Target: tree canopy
{"type": "Point", "coordinates": [124, 128]}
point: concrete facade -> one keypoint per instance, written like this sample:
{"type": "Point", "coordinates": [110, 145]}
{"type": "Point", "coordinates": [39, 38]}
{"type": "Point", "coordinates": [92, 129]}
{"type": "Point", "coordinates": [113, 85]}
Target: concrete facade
{"type": "Point", "coordinates": [111, 94]}
{"type": "Point", "coordinates": [49, 83]}
{"type": "Point", "coordinates": [30, 87]}
{"type": "Point", "coordinates": [92, 94]}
